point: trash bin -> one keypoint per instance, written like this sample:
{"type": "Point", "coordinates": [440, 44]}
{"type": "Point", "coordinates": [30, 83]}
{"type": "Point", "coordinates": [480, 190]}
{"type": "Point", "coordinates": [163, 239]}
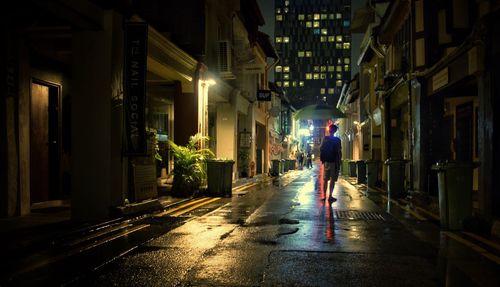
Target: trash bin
{"type": "Point", "coordinates": [282, 166]}
{"type": "Point", "coordinates": [291, 163]}
{"type": "Point", "coordinates": [275, 167]}
{"type": "Point", "coordinates": [220, 177]}
{"type": "Point", "coordinates": [352, 168]}
{"type": "Point", "coordinates": [345, 167]}
{"type": "Point", "coordinates": [361, 171]}
{"type": "Point", "coordinates": [371, 172]}
{"type": "Point", "coordinates": [395, 177]}
{"type": "Point", "coordinates": [455, 193]}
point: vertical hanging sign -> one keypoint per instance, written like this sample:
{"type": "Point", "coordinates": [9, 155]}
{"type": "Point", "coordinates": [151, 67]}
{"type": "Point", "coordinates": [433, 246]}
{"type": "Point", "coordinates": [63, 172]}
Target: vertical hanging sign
{"type": "Point", "coordinates": [136, 39]}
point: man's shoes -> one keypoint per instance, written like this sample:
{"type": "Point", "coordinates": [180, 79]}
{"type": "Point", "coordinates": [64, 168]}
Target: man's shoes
{"type": "Point", "coordinates": [332, 199]}
{"type": "Point", "coordinates": [323, 198]}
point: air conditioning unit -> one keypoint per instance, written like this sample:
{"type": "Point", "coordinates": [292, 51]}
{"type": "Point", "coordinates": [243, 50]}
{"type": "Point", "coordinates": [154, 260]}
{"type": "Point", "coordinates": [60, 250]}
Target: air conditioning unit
{"type": "Point", "coordinates": [224, 57]}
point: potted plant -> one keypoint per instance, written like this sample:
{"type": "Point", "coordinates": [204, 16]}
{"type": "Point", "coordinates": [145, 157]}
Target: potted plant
{"type": "Point", "coordinates": [189, 166]}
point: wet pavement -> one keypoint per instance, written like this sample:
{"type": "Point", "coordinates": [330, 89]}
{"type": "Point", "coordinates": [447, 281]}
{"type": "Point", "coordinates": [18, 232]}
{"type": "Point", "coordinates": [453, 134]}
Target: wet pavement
{"type": "Point", "coordinates": [280, 233]}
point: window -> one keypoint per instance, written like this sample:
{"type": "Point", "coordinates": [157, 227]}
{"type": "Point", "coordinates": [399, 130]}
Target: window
{"type": "Point", "coordinates": [308, 76]}
{"type": "Point", "coordinates": [309, 16]}
{"type": "Point", "coordinates": [322, 38]}
{"type": "Point", "coordinates": [316, 24]}
{"type": "Point", "coordinates": [316, 68]}
{"type": "Point", "coordinates": [323, 76]}
{"type": "Point", "coordinates": [278, 69]}
{"type": "Point", "coordinates": [301, 83]}
{"type": "Point", "coordinates": [322, 91]}
{"type": "Point", "coordinates": [294, 84]}
{"type": "Point", "coordinates": [324, 16]}
{"type": "Point", "coordinates": [339, 61]}
{"type": "Point", "coordinates": [331, 38]}
{"type": "Point", "coordinates": [339, 76]}
{"type": "Point", "coordinates": [331, 90]}
{"type": "Point", "coordinates": [339, 83]}
{"type": "Point", "coordinates": [286, 76]}
{"type": "Point", "coordinates": [309, 54]}
{"type": "Point", "coordinates": [339, 68]}
{"type": "Point", "coordinates": [324, 31]}
{"type": "Point", "coordinates": [347, 46]}
{"type": "Point", "coordinates": [278, 84]}
{"type": "Point", "coordinates": [316, 31]}
{"type": "Point", "coordinates": [286, 39]}
{"type": "Point", "coordinates": [279, 17]}
{"type": "Point", "coordinates": [331, 68]}
{"type": "Point", "coordinates": [339, 38]}
{"type": "Point", "coordinates": [316, 76]}
{"type": "Point", "coordinates": [278, 10]}
{"type": "Point", "coordinates": [324, 99]}
{"type": "Point", "coordinates": [286, 84]}
{"type": "Point", "coordinates": [286, 9]}
{"type": "Point", "coordinates": [287, 3]}
{"type": "Point", "coordinates": [279, 39]}
{"type": "Point", "coordinates": [339, 15]}
{"type": "Point", "coordinates": [323, 68]}
{"type": "Point", "coordinates": [316, 16]}
{"type": "Point", "coordinates": [301, 17]}
{"type": "Point", "coordinates": [300, 54]}
{"type": "Point", "coordinates": [331, 16]}
{"type": "Point", "coordinates": [338, 46]}
{"type": "Point", "coordinates": [347, 60]}
{"type": "Point", "coordinates": [346, 68]}
{"type": "Point", "coordinates": [286, 69]}
{"type": "Point", "coordinates": [309, 24]}
{"type": "Point", "coordinates": [346, 23]}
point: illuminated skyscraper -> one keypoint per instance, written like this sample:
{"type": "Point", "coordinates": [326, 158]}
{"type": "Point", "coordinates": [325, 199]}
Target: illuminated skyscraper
{"type": "Point", "coordinates": [314, 44]}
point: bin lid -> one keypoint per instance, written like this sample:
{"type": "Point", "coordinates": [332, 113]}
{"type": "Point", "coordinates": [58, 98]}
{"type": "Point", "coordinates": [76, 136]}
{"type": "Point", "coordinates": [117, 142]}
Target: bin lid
{"type": "Point", "coordinates": [395, 160]}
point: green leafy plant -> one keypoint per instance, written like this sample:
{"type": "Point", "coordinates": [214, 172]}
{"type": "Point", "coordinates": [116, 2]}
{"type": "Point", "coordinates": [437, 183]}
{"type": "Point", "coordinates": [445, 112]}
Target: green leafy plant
{"type": "Point", "coordinates": [189, 165]}
{"type": "Point", "coordinates": [152, 135]}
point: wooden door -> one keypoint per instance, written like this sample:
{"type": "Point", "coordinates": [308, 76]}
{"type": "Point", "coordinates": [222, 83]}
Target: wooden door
{"type": "Point", "coordinates": [39, 143]}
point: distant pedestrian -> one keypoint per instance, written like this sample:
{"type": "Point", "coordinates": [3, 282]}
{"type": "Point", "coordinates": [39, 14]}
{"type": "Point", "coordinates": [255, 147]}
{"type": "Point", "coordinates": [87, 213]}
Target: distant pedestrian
{"type": "Point", "coordinates": [300, 159]}
{"type": "Point", "coordinates": [330, 155]}
{"type": "Point", "coordinates": [309, 159]}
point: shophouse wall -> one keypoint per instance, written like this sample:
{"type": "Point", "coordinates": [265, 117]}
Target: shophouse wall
{"type": "Point", "coordinates": [96, 132]}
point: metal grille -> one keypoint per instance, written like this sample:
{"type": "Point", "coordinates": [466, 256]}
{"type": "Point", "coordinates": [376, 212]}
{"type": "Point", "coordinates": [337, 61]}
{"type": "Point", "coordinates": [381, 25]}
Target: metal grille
{"type": "Point", "coordinates": [358, 215]}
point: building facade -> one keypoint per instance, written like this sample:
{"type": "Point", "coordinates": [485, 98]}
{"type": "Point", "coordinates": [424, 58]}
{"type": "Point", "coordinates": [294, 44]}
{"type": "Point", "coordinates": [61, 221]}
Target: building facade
{"type": "Point", "coordinates": [314, 44]}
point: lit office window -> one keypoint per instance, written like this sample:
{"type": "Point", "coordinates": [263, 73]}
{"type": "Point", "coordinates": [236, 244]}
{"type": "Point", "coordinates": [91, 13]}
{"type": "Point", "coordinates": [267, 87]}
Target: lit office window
{"type": "Point", "coordinates": [287, 3]}
{"type": "Point", "coordinates": [286, 69]}
{"type": "Point", "coordinates": [324, 31]}
{"type": "Point", "coordinates": [279, 39]}
{"type": "Point", "coordinates": [347, 60]}
{"type": "Point", "coordinates": [286, 76]}
{"type": "Point", "coordinates": [324, 16]}
{"type": "Point", "coordinates": [278, 84]}
{"type": "Point", "coordinates": [323, 68]}
{"type": "Point", "coordinates": [301, 83]}
{"type": "Point", "coordinates": [279, 17]}
{"type": "Point", "coordinates": [339, 38]}
{"type": "Point", "coordinates": [331, 91]}
{"type": "Point", "coordinates": [309, 54]}
{"type": "Point", "coordinates": [323, 76]}
{"type": "Point", "coordinates": [347, 46]}
{"type": "Point", "coordinates": [322, 38]}
{"type": "Point", "coordinates": [339, 68]}
{"type": "Point", "coordinates": [331, 68]}
{"type": "Point", "coordinates": [309, 16]}
{"type": "Point", "coordinates": [294, 84]}
{"type": "Point", "coordinates": [286, 84]}
{"type": "Point", "coordinates": [300, 54]}
{"type": "Point", "coordinates": [346, 23]}
{"type": "Point", "coordinates": [339, 61]}
{"type": "Point", "coordinates": [331, 38]}
{"type": "Point", "coordinates": [309, 24]}
{"type": "Point", "coordinates": [286, 10]}
{"type": "Point", "coordinates": [338, 46]}
{"type": "Point", "coordinates": [316, 31]}
{"type": "Point", "coordinates": [308, 76]}
{"type": "Point", "coordinates": [316, 24]}
{"type": "Point", "coordinates": [331, 16]}
{"type": "Point", "coordinates": [278, 69]}
{"type": "Point", "coordinates": [346, 68]}
{"type": "Point", "coordinates": [316, 16]}
{"type": "Point", "coordinates": [316, 76]}
{"type": "Point", "coordinates": [339, 16]}
{"type": "Point", "coordinates": [278, 10]}
{"type": "Point", "coordinates": [339, 76]}
{"type": "Point", "coordinates": [316, 68]}
{"type": "Point", "coordinates": [286, 39]}
{"type": "Point", "coordinates": [322, 91]}
{"type": "Point", "coordinates": [339, 83]}
{"type": "Point", "coordinates": [301, 17]}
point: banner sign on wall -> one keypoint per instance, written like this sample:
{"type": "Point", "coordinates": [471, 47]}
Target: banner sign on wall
{"type": "Point", "coordinates": [136, 39]}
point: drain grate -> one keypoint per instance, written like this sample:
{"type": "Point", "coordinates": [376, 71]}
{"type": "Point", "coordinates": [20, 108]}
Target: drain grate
{"type": "Point", "coordinates": [358, 215]}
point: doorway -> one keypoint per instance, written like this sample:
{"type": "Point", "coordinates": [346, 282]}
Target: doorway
{"type": "Point", "coordinates": [44, 142]}
{"type": "Point", "coordinates": [464, 134]}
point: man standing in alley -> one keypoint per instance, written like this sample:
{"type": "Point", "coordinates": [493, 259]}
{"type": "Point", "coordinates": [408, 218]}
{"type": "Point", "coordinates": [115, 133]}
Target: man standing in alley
{"type": "Point", "coordinates": [330, 155]}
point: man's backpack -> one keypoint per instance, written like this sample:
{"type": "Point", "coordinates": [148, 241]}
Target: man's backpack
{"type": "Point", "coordinates": [329, 151]}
